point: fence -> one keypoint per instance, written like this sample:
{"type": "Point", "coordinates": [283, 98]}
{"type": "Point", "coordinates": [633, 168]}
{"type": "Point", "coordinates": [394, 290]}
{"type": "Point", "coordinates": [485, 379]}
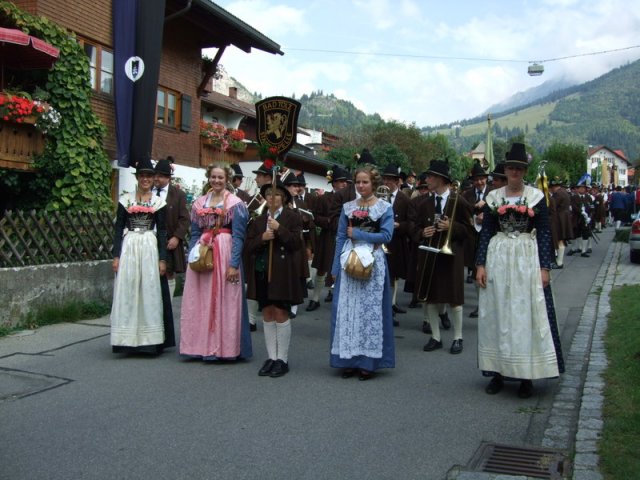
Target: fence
{"type": "Point", "coordinates": [54, 237]}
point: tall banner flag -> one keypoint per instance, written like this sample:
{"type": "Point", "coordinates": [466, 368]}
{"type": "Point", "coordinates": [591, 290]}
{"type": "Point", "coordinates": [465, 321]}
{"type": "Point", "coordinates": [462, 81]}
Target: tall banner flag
{"type": "Point", "coordinates": [278, 123]}
{"type": "Point", "coordinates": [488, 153]}
{"type": "Point", "coordinates": [137, 43]}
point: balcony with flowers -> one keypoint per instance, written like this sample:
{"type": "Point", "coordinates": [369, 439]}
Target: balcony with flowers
{"type": "Point", "coordinates": [24, 123]}
{"type": "Point", "coordinates": [220, 143]}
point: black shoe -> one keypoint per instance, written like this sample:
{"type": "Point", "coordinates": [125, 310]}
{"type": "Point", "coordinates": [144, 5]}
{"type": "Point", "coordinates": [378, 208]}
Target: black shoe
{"type": "Point", "coordinates": [555, 266]}
{"type": "Point", "coordinates": [348, 372]}
{"type": "Point", "coordinates": [365, 375]}
{"type": "Point", "coordinates": [495, 385]}
{"type": "Point", "coordinates": [526, 389]}
{"type": "Point", "coordinates": [571, 252]}
{"type": "Point", "coordinates": [310, 285]}
{"type": "Point", "coordinates": [456, 347]}
{"type": "Point", "coordinates": [426, 328]}
{"type": "Point", "coordinates": [313, 305]}
{"type": "Point", "coordinates": [397, 309]}
{"type": "Point", "coordinates": [589, 250]}
{"type": "Point", "coordinates": [585, 255]}
{"type": "Point", "coordinates": [396, 323]}
{"type": "Point", "coordinates": [432, 345]}
{"type": "Point", "coordinates": [414, 304]}
{"type": "Point", "coordinates": [292, 315]}
{"type": "Point", "coordinates": [253, 327]}
{"type": "Point", "coordinates": [469, 279]}
{"type": "Point", "coordinates": [444, 320]}
{"type": "Point", "coordinates": [329, 297]}
{"type": "Point", "coordinates": [266, 368]}
{"type": "Point", "coordinates": [474, 314]}
{"type": "Point", "coordinates": [279, 369]}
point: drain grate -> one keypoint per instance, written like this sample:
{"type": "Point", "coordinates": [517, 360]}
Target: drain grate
{"type": "Point", "coordinates": [532, 462]}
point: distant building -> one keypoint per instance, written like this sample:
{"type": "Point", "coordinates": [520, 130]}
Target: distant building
{"type": "Point", "coordinates": [608, 167]}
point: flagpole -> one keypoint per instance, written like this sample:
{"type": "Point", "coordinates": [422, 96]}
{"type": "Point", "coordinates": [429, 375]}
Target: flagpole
{"type": "Point", "coordinates": [488, 151]}
{"type": "Point", "coordinates": [272, 213]}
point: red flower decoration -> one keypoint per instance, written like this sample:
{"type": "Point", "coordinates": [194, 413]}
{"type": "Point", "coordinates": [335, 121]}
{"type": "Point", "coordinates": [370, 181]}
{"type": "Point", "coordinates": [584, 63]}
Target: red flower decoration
{"type": "Point", "coordinates": [269, 163]}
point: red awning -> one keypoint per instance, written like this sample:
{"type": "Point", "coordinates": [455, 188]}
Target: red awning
{"type": "Point", "coordinates": [21, 51]}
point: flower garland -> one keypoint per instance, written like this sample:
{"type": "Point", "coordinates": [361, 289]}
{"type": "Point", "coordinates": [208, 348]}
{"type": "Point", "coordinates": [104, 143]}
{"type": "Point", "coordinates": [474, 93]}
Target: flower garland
{"type": "Point", "coordinates": [361, 213]}
{"type": "Point", "coordinates": [505, 209]}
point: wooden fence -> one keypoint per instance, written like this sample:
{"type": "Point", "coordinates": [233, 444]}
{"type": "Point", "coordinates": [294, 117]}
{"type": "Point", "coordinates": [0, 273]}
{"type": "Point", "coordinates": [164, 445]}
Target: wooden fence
{"type": "Point", "coordinates": [39, 238]}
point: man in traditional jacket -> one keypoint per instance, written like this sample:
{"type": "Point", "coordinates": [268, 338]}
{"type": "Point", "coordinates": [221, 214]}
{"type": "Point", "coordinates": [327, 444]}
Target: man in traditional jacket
{"type": "Point", "coordinates": [236, 181]}
{"type": "Point", "coordinates": [560, 219]}
{"type": "Point", "coordinates": [581, 208]}
{"type": "Point", "coordinates": [440, 277]}
{"type": "Point", "coordinates": [177, 219]}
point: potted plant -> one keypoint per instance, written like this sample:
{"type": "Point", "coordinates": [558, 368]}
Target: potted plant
{"type": "Point", "coordinates": [236, 140]}
{"type": "Point", "coordinates": [214, 134]}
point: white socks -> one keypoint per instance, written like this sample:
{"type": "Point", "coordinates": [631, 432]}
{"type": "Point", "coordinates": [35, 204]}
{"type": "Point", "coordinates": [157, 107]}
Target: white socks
{"type": "Point", "coordinates": [284, 338]}
{"type": "Point", "coordinates": [252, 307]}
{"type": "Point", "coordinates": [172, 287]}
{"type": "Point", "coordinates": [432, 310]}
{"type": "Point", "coordinates": [271, 339]}
{"type": "Point", "coordinates": [456, 321]}
{"type": "Point", "coordinates": [560, 256]}
{"type": "Point", "coordinates": [318, 286]}
{"type": "Point", "coordinates": [584, 246]}
{"type": "Point", "coordinates": [395, 291]}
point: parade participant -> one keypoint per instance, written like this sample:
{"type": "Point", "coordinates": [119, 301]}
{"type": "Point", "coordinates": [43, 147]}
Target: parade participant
{"type": "Point", "coordinates": [177, 220]}
{"type": "Point", "coordinates": [440, 277]}
{"type": "Point", "coordinates": [214, 324]}
{"type": "Point", "coordinates": [475, 196]}
{"type": "Point", "coordinates": [349, 193]}
{"type": "Point", "coordinates": [141, 314]}
{"type": "Point", "coordinates": [517, 331]}
{"type": "Point", "coordinates": [581, 208]}
{"type": "Point", "coordinates": [560, 219]}
{"type": "Point", "coordinates": [498, 178]}
{"type": "Point", "coordinates": [294, 183]}
{"type": "Point", "coordinates": [274, 248]}
{"type": "Point", "coordinates": [361, 318]}
{"type": "Point", "coordinates": [599, 208]}
{"type": "Point", "coordinates": [618, 206]}
{"type": "Point", "coordinates": [398, 248]}
{"type": "Point", "coordinates": [326, 241]}
{"type": "Point", "coordinates": [236, 181]}
{"type": "Point", "coordinates": [306, 202]}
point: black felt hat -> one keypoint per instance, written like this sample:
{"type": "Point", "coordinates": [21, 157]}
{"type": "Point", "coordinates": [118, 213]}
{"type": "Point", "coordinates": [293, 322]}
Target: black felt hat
{"type": "Point", "coordinates": [301, 179]}
{"type": "Point", "coordinates": [555, 181]}
{"type": "Point", "coordinates": [237, 171]}
{"type": "Point", "coordinates": [517, 156]}
{"type": "Point", "coordinates": [365, 157]}
{"type": "Point", "coordinates": [440, 168]}
{"type": "Point", "coordinates": [280, 186]}
{"type": "Point", "coordinates": [477, 171]}
{"type": "Point", "coordinates": [499, 171]}
{"type": "Point", "coordinates": [263, 169]}
{"type": "Point", "coordinates": [290, 178]}
{"type": "Point", "coordinates": [337, 173]}
{"type": "Point", "coordinates": [163, 167]}
{"type": "Point", "coordinates": [144, 165]}
{"type": "Point", "coordinates": [391, 170]}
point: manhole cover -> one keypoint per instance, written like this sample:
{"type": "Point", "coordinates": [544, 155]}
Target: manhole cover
{"type": "Point", "coordinates": [19, 384]}
{"type": "Point", "coordinates": [529, 461]}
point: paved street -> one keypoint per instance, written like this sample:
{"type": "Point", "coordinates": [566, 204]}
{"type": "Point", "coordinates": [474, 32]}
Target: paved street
{"type": "Point", "coordinates": [70, 409]}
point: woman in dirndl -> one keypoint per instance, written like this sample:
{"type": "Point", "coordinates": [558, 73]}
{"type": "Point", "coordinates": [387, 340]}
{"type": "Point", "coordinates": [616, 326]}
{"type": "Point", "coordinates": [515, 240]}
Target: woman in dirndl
{"type": "Point", "coordinates": [141, 314]}
{"type": "Point", "coordinates": [518, 336]}
{"type": "Point", "coordinates": [361, 314]}
{"type": "Point", "coordinates": [214, 322]}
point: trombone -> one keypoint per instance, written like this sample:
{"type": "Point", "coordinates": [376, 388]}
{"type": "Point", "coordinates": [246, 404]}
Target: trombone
{"type": "Point", "coordinates": [430, 248]}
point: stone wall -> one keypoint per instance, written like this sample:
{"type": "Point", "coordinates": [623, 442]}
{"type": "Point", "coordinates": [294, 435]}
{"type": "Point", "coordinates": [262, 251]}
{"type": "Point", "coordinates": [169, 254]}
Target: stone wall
{"type": "Point", "coordinates": [26, 289]}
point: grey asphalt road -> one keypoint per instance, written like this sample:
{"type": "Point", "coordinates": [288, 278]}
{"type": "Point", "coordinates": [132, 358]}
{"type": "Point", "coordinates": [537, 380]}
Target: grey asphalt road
{"type": "Point", "coordinates": [70, 409]}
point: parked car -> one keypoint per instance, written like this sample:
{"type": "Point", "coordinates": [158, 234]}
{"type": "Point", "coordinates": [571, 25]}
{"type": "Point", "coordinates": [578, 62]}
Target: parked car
{"type": "Point", "coordinates": [634, 241]}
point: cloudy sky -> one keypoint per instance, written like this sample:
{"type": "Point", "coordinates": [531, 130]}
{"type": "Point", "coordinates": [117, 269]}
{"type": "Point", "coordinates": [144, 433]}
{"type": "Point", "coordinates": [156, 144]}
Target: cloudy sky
{"type": "Point", "coordinates": [429, 62]}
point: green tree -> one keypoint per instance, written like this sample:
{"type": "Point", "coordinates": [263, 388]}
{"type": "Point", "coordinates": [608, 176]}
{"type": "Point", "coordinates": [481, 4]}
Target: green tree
{"type": "Point", "coordinates": [567, 159]}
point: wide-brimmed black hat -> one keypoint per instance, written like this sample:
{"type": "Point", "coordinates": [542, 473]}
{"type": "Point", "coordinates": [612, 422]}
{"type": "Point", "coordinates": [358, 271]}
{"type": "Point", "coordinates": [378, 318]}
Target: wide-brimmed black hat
{"type": "Point", "coordinates": [301, 179]}
{"type": "Point", "coordinates": [422, 180]}
{"type": "Point", "coordinates": [440, 168]}
{"type": "Point", "coordinates": [499, 171]}
{"type": "Point", "coordinates": [290, 178]}
{"type": "Point", "coordinates": [365, 157]}
{"type": "Point", "coordinates": [237, 171]}
{"type": "Point", "coordinates": [477, 171]}
{"type": "Point", "coordinates": [145, 165]}
{"type": "Point", "coordinates": [163, 167]}
{"type": "Point", "coordinates": [280, 186]}
{"type": "Point", "coordinates": [391, 170]}
{"type": "Point", "coordinates": [263, 169]}
{"type": "Point", "coordinates": [337, 173]}
{"type": "Point", "coordinates": [517, 156]}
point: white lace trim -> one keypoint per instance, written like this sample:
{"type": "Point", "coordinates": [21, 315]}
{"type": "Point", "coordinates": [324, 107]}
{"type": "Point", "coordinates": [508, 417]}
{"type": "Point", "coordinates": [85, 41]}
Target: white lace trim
{"type": "Point", "coordinates": [375, 211]}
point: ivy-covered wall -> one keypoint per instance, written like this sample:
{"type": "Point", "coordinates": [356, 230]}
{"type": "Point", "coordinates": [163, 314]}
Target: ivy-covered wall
{"type": "Point", "coordinates": [74, 171]}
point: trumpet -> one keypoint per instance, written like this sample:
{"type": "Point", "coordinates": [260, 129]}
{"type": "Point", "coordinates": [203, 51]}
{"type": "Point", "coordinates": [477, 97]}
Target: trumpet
{"type": "Point", "coordinates": [256, 198]}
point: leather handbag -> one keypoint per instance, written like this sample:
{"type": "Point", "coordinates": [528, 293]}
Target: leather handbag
{"type": "Point", "coordinates": [203, 259]}
{"type": "Point", "coordinates": [355, 269]}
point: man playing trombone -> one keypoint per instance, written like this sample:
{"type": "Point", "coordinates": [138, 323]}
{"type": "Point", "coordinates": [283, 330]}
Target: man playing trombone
{"type": "Point", "coordinates": [443, 224]}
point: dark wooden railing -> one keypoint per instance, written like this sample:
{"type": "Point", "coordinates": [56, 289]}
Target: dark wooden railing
{"type": "Point", "coordinates": [39, 238]}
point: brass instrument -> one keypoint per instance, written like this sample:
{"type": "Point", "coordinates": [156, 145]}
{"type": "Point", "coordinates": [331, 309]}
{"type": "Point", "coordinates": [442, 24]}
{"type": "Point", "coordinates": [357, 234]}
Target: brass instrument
{"type": "Point", "coordinates": [429, 248]}
{"type": "Point", "coordinates": [384, 193]}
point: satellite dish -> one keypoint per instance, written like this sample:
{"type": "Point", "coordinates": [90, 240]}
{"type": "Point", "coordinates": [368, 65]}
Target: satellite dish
{"type": "Point", "coordinates": [535, 69]}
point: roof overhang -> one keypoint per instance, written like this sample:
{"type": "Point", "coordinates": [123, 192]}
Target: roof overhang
{"type": "Point", "coordinates": [218, 28]}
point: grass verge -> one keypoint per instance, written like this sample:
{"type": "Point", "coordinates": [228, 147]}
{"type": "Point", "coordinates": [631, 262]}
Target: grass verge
{"type": "Point", "coordinates": [620, 442]}
{"type": "Point", "coordinates": [69, 312]}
